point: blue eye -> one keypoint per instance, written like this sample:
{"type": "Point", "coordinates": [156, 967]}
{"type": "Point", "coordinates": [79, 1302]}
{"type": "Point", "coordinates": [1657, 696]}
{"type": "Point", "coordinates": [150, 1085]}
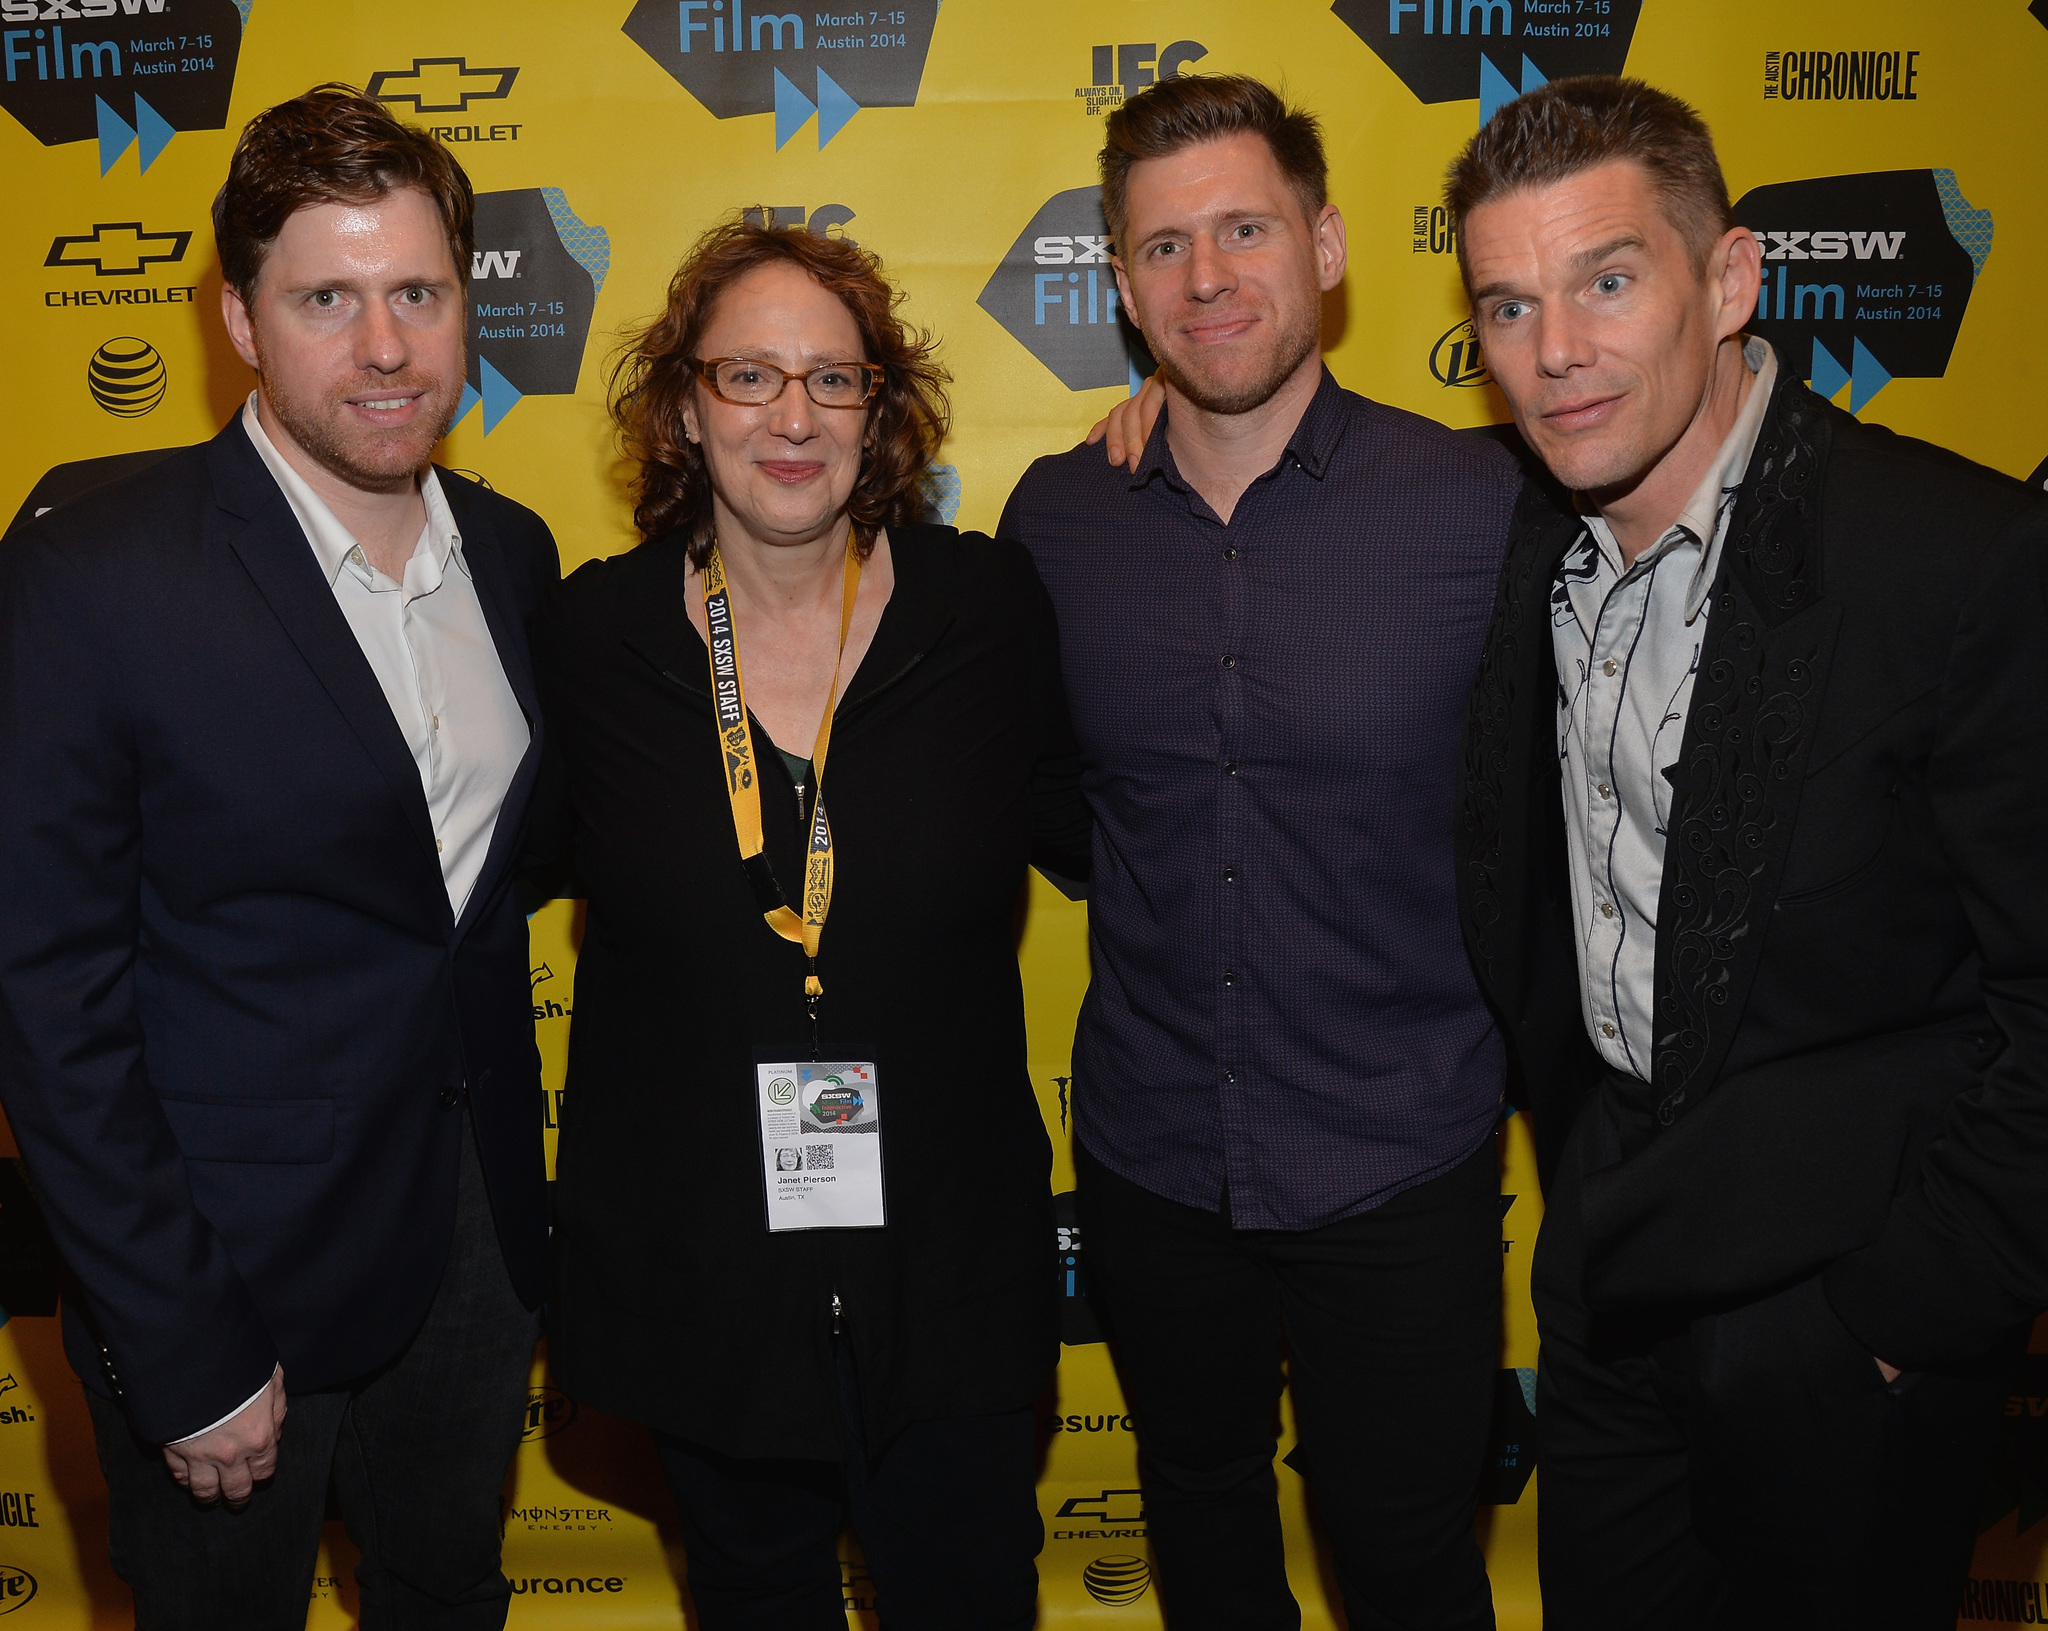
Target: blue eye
{"type": "Point", "coordinates": [1610, 284]}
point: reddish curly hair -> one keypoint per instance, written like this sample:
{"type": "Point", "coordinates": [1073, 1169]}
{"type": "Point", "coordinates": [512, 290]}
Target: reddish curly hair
{"type": "Point", "coordinates": [651, 379]}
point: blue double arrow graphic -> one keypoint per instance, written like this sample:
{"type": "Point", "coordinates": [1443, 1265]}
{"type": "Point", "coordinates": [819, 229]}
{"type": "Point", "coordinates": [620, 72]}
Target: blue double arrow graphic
{"type": "Point", "coordinates": [793, 109]}
{"type": "Point", "coordinates": [117, 135]}
{"type": "Point", "coordinates": [1865, 376]}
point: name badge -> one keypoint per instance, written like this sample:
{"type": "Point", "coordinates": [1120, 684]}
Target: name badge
{"type": "Point", "coordinates": [821, 1144]}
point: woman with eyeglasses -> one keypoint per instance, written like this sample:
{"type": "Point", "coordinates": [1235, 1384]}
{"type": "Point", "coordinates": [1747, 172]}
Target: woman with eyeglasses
{"type": "Point", "coordinates": [805, 745]}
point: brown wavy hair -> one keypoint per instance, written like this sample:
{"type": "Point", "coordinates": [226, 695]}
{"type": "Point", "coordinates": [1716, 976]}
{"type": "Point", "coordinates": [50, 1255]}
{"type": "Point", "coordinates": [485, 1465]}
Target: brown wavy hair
{"type": "Point", "coordinates": [333, 145]}
{"type": "Point", "coordinates": [651, 378]}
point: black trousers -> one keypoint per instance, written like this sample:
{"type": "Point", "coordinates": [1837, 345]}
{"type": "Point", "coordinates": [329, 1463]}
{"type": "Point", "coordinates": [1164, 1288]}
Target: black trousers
{"type": "Point", "coordinates": [1391, 1326]}
{"type": "Point", "coordinates": [947, 1516]}
{"type": "Point", "coordinates": [416, 1453]}
{"type": "Point", "coordinates": [1745, 1469]}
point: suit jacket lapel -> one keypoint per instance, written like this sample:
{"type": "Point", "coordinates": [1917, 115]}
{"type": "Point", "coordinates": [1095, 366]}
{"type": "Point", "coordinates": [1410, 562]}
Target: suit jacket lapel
{"type": "Point", "coordinates": [490, 572]}
{"type": "Point", "coordinates": [1740, 770]}
{"type": "Point", "coordinates": [274, 551]}
{"type": "Point", "coordinates": [1510, 753]}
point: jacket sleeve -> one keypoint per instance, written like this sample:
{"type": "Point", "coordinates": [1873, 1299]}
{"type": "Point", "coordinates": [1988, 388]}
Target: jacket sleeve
{"type": "Point", "coordinates": [180, 1334]}
{"type": "Point", "coordinates": [1062, 827]}
{"type": "Point", "coordinates": [1963, 1256]}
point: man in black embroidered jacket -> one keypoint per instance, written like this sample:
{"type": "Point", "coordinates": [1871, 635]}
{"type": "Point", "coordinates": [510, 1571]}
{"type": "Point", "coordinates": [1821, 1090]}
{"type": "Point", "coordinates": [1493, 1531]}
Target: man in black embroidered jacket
{"type": "Point", "coordinates": [1752, 869]}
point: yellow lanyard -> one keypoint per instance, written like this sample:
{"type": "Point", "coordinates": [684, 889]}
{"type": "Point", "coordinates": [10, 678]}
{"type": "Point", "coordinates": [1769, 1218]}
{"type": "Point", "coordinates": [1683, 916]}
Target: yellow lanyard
{"type": "Point", "coordinates": [729, 699]}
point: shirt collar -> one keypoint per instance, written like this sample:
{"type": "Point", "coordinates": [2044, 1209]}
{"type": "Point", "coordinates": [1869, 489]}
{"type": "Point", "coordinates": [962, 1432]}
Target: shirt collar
{"type": "Point", "coordinates": [1313, 441]}
{"type": "Point", "coordinates": [1701, 521]}
{"type": "Point", "coordinates": [334, 546]}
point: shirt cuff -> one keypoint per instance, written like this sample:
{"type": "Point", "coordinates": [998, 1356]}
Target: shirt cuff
{"type": "Point", "coordinates": [230, 1416]}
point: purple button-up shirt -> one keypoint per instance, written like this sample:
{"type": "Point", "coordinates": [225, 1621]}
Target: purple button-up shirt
{"type": "Point", "coordinates": [1282, 1015]}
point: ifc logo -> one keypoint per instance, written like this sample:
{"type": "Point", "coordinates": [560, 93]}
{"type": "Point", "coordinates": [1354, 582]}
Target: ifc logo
{"type": "Point", "coordinates": [126, 377]}
{"type": "Point", "coordinates": [782, 1090]}
{"type": "Point", "coordinates": [17, 1586]}
{"type": "Point", "coordinates": [1117, 1579]}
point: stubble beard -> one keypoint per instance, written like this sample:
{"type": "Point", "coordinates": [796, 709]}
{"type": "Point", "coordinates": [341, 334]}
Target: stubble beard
{"type": "Point", "coordinates": [1294, 342]}
{"type": "Point", "coordinates": [372, 461]}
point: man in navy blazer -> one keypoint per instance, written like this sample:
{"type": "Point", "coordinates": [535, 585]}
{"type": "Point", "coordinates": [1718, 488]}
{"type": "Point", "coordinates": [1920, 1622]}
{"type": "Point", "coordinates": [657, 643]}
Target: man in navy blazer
{"type": "Point", "coordinates": [265, 1040]}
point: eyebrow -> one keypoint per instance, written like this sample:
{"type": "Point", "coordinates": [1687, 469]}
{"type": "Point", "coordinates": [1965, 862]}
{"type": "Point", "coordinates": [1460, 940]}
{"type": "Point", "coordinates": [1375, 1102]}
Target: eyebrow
{"type": "Point", "coordinates": [1587, 258]}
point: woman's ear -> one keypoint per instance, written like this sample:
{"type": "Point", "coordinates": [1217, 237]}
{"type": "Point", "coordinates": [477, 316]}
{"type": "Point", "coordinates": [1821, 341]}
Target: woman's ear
{"type": "Point", "coordinates": [691, 429]}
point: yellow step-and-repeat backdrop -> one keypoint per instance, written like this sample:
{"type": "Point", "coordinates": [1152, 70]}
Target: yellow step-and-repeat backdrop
{"type": "Point", "coordinates": [1888, 151]}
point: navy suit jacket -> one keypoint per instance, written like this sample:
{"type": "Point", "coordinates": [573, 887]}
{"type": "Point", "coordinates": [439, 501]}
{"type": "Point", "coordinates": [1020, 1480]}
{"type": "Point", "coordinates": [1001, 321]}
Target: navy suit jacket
{"type": "Point", "coordinates": [237, 1014]}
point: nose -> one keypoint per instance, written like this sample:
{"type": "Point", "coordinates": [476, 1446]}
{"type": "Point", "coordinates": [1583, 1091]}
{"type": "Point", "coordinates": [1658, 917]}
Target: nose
{"type": "Point", "coordinates": [793, 416]}
{"type": "Point", "coordinates": [381, 345]}
{"type": "Point", "coordinates": [1563, 339]}
{"type": "Point", "coordinates": [1211, 273]}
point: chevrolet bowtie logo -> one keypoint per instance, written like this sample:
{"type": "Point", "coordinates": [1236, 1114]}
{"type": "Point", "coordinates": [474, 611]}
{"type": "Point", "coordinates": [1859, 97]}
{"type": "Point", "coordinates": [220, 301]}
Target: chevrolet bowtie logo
{"type": "Point", "coordinates": [118, 249]}
{"type": "Point", "coordinates": [442, 84]}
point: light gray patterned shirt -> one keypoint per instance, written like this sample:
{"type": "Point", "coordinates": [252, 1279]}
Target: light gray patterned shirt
{"type": "Point", "coordinates": [1628, 646]}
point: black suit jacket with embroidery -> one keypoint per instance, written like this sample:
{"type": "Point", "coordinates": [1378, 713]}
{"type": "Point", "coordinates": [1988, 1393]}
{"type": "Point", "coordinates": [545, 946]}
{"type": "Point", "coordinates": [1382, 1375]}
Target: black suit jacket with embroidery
{"type": "Point", "coordinates": [1851, 1054]}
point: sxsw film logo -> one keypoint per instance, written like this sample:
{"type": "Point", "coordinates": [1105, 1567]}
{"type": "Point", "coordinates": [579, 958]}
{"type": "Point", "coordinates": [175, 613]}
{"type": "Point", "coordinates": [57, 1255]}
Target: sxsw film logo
{"type": "Point", "coordinates": [1056, 294]}
{"type": "Point", "coordinates": [738, 57]}
{"type": "Point", "coordinates": [1118, 70]}
{"type": "Point", "coordinates": [1866, 277]}
{"type": "Point", "coordinates": [1070, 1272]}
{"type": "Point", "coordinates": [1511, 1440]}
{"type": "Point", "coordinates": [1451, 50]}
{"type": "Point", "coordinates": [129, 73]}
{"type": "Point", "coordinates": [533, 285]}
{"type": "Point", "coordinates": [445, 85]}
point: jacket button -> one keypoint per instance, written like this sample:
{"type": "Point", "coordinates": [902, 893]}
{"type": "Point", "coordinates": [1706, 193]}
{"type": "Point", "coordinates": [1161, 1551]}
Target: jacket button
{"type": "Point", "coordinates": [451, 1096]}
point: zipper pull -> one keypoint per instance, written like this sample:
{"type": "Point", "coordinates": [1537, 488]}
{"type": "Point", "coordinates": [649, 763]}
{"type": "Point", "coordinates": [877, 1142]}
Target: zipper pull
{"type": "Point", "coordinates": [837, 1312]}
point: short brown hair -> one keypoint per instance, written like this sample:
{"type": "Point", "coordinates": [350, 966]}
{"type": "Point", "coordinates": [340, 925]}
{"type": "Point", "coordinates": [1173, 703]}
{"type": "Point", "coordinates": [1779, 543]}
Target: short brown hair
{"type": "Point", "coordinates": [1194, 108]}
{"type": "Point", "coordinates": [334, 145]}
{"type": "Point", "coordinates": [654, 373]}
{"type": "Point", "coordinates": [1570, 125]}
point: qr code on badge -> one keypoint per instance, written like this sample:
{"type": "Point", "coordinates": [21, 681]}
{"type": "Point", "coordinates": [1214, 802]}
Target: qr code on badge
{"type": "Point", "coordinates": [818, 1157]}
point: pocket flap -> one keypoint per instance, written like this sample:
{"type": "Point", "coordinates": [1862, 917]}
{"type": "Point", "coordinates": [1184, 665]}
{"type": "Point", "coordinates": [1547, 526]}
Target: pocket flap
{"type": "Point", "coordinates": [284, 1131]}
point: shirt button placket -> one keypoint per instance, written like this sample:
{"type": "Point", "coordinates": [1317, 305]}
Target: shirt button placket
{"type": "Point", "coordinates": [1232, 623]}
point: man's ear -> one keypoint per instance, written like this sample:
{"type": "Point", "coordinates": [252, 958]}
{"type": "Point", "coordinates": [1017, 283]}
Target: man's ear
{"type": "Point", "coordinates": [241, 326]}
{"type": "Point", "coordinates": [1123, 287]}
{"type": "Point", "coordinates": [1332, 250]}
{"type": "Point", "coordinates": [1737, 266]}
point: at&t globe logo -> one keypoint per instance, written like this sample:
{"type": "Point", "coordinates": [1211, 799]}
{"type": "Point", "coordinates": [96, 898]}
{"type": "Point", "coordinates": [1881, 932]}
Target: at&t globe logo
{"type": "Point", "coordinates": [1117, 1579]}
{"type": "Point", "coordinates": [17, 1588]}
{"type": "Point", "coordinates": [126, 377]}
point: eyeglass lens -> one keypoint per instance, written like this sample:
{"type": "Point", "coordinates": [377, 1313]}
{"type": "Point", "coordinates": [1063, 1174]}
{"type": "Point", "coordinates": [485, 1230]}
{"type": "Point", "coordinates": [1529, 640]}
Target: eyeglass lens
{"type": "Point", "coordinates": [755, 383]}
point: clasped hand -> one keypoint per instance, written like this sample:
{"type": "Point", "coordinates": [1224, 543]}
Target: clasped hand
{"type": "Point", "coordinates": [228, 1461]}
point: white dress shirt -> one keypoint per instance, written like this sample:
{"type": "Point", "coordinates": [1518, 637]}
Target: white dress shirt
{"type": "Point", "coordinates": [1628, 644]}
{"type": "Point", "coordinates": [432, 652]}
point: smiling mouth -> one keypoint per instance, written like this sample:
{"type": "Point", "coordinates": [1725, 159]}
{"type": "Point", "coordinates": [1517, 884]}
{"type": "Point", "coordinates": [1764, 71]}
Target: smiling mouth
{"type": "Point", "coordinates": [393, 405]}
{"type": "Point", "coordinates": [1218, 329]}
{"type": "Point", "coordinates": [1582, 415]}
{"type": "Point", "coordinates": [789, 472]}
